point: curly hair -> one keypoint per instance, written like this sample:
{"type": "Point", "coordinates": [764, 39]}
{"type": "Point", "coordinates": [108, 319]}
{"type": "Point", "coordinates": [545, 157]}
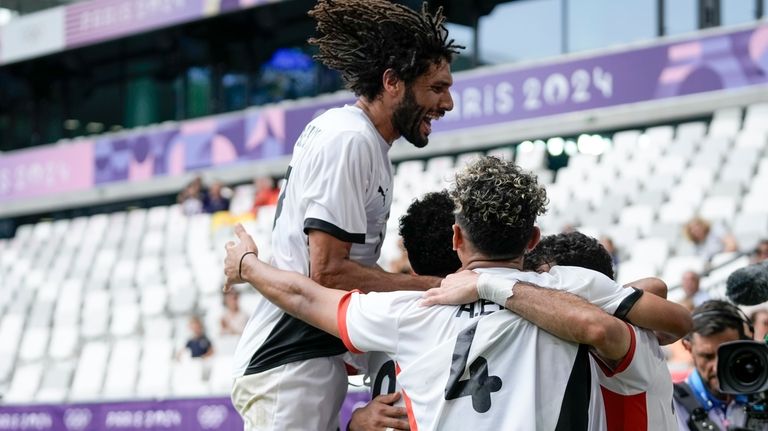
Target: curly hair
{"type": "Point", "coordinates": [570, 249]}
{"type": "Point", "coordinates": [496, 206]}
{"type": "Point", "coordinates": [426, 228]}
{"type": "Point", "coordinates": [363, 38]}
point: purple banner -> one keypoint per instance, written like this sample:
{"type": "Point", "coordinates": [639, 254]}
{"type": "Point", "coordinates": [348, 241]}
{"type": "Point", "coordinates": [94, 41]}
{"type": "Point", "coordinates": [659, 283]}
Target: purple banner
{"type": "Point", "coordinates": [169, 415]}
{"type": "Point", "coordinates": [711, 63]}
{"type": "Point", "coordinates": [46, 171]}
{"type": "Point", "coordinates": [94, 21]}
{"type": "Point", "coordinates": [192, 145]}
{"type": "Point", "coordinates": [181, 415]}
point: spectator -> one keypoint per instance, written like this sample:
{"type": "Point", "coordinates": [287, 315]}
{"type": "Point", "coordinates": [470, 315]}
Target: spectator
{"type": "Point", "coordinates": [761, 252]}
{"type": "Point", "coordinates": [266, 193]}
{"type": "Point", "coordinates": [707, 239]}
{"type": "Point", "coordinates": [233, 320]}
{"type": "Point", "coordinates": [759, 320]}
{"type": "Point", "coordinates": [214, 200]}
{"type": "Point", "coordinates": [199, 346]}
{"type": "Point", "coordinates": [191, 197]}
{"type": "Point", "coordinates": [693, 296]}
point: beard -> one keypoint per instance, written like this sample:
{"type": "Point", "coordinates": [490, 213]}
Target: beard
{"type": "Point", "coordinates": [407, 119]}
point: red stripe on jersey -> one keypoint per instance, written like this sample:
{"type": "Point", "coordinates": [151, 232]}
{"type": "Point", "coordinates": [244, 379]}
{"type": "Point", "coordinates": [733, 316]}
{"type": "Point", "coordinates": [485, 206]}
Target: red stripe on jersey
{"type": "Point", "coordinates": [408, 407]}
{"type": "Point", "coordinates": [625, 361]}
{"type": "Point", "coordinates": [341, 318]}
{"type": "Point", "coordinates": [625, 412]}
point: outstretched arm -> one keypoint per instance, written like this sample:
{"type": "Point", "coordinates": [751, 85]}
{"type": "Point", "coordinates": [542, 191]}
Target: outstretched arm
{"type": "Point", "coordinates": [294, 293]}
{"type": "Point", "coordinates": [652, 312]}
{"type": "Point", "coordinates": [558, 312]}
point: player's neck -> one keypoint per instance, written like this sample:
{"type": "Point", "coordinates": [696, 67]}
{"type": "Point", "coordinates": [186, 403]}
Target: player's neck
{"type": "Point", "coordinates": [480, 261]}
{"type": "Point", "coordinates": [380, 117]}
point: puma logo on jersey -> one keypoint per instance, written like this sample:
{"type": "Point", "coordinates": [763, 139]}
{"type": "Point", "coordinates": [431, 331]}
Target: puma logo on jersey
{"type": "Point", "coordinates": [383, 195]}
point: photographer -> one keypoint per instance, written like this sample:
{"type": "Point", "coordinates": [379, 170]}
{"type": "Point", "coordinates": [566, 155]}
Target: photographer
{"type": "Point", "coordinates": [714, 323]}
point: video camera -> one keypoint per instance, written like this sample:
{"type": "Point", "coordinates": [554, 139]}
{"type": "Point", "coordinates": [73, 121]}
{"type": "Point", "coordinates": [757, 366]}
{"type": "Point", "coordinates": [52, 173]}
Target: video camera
{"type": "Point", "coordinates": [742, 369]}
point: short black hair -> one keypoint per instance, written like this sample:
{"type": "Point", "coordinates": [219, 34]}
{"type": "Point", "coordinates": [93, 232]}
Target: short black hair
{"type": "Point", "coordinates": [363, 38]}
{"type": "Point", "coordinates": [496, 206]}
{"type": "Point", "coordinates": [427, 231]}
{"type": "Point", "coordinates": [570, 249]}
{"type": "Point", "coordinates": [715, 316]}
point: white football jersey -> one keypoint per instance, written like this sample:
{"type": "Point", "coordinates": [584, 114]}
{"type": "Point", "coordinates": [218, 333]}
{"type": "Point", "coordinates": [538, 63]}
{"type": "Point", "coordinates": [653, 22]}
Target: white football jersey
{"type": "Point", "coordinates": [637, 392]}
{"type": "Point", "coordinates": [478, 366]}
{"type": "Point", "coordinates": [339, 181]}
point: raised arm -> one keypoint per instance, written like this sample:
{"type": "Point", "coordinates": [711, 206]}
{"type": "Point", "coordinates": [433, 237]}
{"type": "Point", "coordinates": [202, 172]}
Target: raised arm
{"type": "Point", "coordinates": [294, 293]}
{"type": "Point", "coordinates": [558, 312]}
{"type": "Point", "coordinates": [330, 265]}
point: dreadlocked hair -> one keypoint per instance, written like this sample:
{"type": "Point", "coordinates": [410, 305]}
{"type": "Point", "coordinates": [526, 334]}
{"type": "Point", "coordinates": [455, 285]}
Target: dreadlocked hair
{"type": "Point", "coordinates": [363, 38]}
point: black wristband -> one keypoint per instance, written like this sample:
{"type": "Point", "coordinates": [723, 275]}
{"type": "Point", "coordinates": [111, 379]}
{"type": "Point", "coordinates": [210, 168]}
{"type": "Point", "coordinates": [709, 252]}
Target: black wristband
{"type": "Point", "coordinates": [240, 267]}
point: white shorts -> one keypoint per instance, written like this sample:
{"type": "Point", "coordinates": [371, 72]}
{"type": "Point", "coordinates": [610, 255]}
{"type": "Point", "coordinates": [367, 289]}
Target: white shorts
{"type": "Point", "coordinates": [305, 395]}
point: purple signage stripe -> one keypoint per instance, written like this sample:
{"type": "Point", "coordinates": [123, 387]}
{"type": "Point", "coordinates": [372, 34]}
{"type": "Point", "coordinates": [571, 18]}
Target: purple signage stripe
{"type": "Point", "coordinates": [202, 414]}
{"type": "Point", "coordinates": [100, 20]}
{"type": "Point", "coordinates": [712, 63]}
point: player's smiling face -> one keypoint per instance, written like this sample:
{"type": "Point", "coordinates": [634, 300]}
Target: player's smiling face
{"type": "Point", "coordinates": [427, 99]}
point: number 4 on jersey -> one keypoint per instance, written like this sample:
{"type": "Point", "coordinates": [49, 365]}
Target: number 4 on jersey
{"type": "Point", "coordinates": [480, 384]}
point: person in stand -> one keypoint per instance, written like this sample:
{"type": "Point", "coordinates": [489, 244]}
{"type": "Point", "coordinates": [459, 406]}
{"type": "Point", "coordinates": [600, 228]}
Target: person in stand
{"type": "Point", "coordinates": [199, 345]}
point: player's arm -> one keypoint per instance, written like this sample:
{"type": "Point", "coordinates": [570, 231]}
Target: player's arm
{"type": "Point", "coordinates": [670, 320]}
{"type": "Point", "coordinates": [331, 266]}
{"type": "Point", "coordinates": [558, 312]}
{"type": "Point", "coordinates": [294, 293]}
{"type": "Point", "coordinates": [571, 318]}
{"type": "Point", "coordinates": [652, 285]}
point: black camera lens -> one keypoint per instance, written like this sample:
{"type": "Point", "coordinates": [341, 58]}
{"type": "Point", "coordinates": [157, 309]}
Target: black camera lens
{"type": "Point", "coordinates": [747, 367]}
{"type": "Point", "coordinates": [742, 367]}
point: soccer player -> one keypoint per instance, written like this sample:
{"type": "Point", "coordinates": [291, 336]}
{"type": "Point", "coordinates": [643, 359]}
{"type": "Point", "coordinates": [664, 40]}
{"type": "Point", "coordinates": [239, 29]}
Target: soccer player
{"type": "Point", "coordinates": [332, 213]}
{"type": "Point", "coordinates": [427, 235]}
{"type": "Point", "coordinates": [637, 392]}
{"type": "Point", "coordinates": [470, 365]}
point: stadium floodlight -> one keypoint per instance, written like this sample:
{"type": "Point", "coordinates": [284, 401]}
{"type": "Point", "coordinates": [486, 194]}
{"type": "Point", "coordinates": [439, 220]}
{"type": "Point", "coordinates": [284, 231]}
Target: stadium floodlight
{"type": "Point", "coordinates": [571, 148]}
{"type": "Point", "coordinates": [555, 146]}
{"type": "Point", "coordinates": [525, 147]}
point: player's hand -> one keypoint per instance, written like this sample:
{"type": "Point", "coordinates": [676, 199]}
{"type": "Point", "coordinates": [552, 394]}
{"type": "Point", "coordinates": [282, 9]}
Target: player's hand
{"type": "Point", "coordinates": [235, 254]}
{"type": "Point", "coordinates": [379, 415]}
{"type": "Point", "coordinates": [456, 289]}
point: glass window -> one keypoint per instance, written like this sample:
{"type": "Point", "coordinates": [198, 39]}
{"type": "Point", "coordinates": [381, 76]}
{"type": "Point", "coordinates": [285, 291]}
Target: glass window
{"type": "Point", "coordinates": [737, 11]}
{"type": "Point", "coordinates": [599, 23]}
{"type": "Point", "coordinates": [198, 91]}
{"type": "Point", "coordinates": [521, 30]}
{"type": "Point", "coordinates": [680, 16]}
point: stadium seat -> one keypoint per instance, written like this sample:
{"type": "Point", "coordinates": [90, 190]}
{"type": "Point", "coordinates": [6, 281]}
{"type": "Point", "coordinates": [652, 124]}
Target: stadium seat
{"type": "Point", "coordinates": [64, 342]}
{"type": "Point", "coordinates": [677, 265]}
{"type": "Point", "coordinates": [122, 370]}
{"type": "Point", "coordinates": [638, 216]}
{"type": "Point", "coordinates": [25, 383]}
{"type": "Point", "coordinates": [725, 122]}
{"type": "Point", "coordinates": [754, 119]}
{"type": "Point", "coordinates": [691, 131]}
{"type": "Point", "coordinates": [55, 383]}
{"type": "Point", "coordinates": [89, 374]}
{"type": "Point", "coordinates": [653, 251]}
{"type": "Point", "coordinates": [717, 208]}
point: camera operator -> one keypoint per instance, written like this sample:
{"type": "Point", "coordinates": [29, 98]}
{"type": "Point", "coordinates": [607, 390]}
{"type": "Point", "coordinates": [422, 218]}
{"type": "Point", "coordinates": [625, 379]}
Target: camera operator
{"type": "Point", "coordinates": [698, 399]}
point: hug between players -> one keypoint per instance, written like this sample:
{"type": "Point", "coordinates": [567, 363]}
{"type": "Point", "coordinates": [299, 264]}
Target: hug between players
{"type": "Point", "coordinates": [495, 327]}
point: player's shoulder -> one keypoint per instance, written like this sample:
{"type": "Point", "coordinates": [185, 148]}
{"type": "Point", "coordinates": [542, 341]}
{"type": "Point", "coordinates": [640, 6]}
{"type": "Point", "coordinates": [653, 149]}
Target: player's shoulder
{"type": "Point", "coordinates": [347, 119]}
{"type": "Point", "coordinates": [573, 273]}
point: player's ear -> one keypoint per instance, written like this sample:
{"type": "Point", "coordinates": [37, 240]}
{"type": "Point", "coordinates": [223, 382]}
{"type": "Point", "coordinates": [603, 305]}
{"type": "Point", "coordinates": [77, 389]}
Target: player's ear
{"type": "Point", "coordinates": [392, 83]}
{"type": "Point", "coordinates": [458, 238]}
{"type": "Point", "coordinates": [535, 238]}
{"type": "Point", "coordinates": [687, 344]}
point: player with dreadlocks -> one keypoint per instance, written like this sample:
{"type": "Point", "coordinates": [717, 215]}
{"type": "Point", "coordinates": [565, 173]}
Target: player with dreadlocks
{"type": "Point", "coordinates": [332, 213]}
